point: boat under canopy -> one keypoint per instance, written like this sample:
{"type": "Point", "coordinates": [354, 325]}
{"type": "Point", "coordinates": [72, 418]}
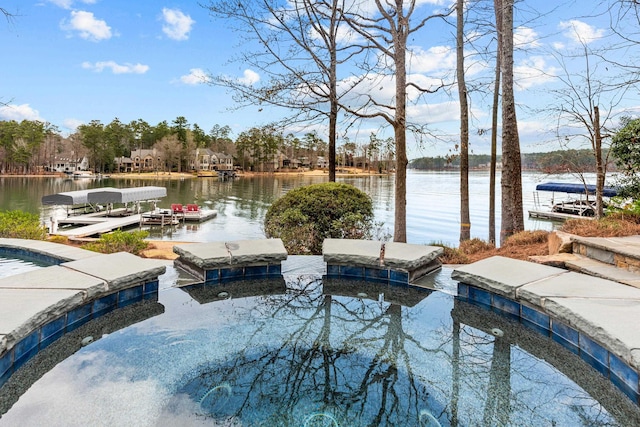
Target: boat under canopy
{"type": "Point", "coordinates": [69, 198]}
{"type": "Point", "coordinates": [126, 195]}
{"type": "Point", "coordinates": [561, 187]}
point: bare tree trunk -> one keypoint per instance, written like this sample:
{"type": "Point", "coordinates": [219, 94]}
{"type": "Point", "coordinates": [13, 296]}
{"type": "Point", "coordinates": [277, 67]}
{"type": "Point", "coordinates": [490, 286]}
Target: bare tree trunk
{"type": "Point", "coordinates": [400, 133]}
{"type": "Point", "coordinates": [600, 170]}
{"type": "Point", "coordinates": [333, 91]}
{"type": "Point", "coordinates": [465, 220]}
{"type": "Point", "coordinates": [512, 214]}
{"type": "Point", "coordinates": [388, 34]}
{"type": "Point", "coordinates": [494, 125]}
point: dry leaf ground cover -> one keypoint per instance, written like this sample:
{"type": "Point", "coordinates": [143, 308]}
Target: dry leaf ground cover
{"type": "Point", "coordinates": [531, 243]}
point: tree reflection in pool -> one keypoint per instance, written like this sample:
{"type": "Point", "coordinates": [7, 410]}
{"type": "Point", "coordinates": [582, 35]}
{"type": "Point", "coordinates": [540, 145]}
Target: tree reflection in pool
{"type": "Point", "coordinates": [314, 353]}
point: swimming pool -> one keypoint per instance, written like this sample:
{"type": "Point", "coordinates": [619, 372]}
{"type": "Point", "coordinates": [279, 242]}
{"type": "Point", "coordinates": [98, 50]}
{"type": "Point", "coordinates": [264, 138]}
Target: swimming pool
{"type": "Point", "coordinates": [303, 351]}
{"type": "Point", "coordinates": [12, 265]}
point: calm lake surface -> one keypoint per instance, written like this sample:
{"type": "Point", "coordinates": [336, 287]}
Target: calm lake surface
{"type": "Point", "coordinates": [433, 202]}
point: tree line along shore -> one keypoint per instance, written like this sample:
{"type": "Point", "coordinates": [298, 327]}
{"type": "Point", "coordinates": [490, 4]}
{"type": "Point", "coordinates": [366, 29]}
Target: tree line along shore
{"type": "Point", "coordinates": [559, 161]}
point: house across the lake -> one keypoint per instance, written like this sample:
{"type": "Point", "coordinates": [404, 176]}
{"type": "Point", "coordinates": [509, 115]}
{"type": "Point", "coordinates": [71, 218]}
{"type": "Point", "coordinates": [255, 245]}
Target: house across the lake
{"type": "Point", "coordinates": [207, 160]}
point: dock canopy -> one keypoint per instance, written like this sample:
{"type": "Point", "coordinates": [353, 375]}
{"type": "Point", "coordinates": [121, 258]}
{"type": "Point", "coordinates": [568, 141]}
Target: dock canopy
{"type": "Point", "coordinates": [561, 187]}
{"type": "Point", "coordinates": [126, 195]}
{"type": "Point", "coordinates": [69, 198]}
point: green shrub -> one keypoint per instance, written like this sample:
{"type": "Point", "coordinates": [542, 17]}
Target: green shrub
{"type": "Point", "coordinates": [120, 241]}
{"type": "Point", "coordinates": [305, 216]}
{"type": "Point", "coordinates": [21, 225]}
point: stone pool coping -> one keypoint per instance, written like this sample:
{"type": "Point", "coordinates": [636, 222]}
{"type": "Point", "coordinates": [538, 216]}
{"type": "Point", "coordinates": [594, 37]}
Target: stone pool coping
{"type": "Point", "coordinates": [216, 262]}
{"type": "Point", "coordinates": [593, 317]}
{"type": "Point", "coordinates": [38, 307]}
{"type": "Point", "coordinates": [383, 262]}
{"type": "Point", "coordinates": [368, 260]}
{"type": "Point", "coordinates": [49, 252]}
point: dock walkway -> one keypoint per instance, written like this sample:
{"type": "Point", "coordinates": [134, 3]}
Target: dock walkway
{"type": "Point", "coordinates": [111, 219]}
{"type": "Point", "coordinates": [94, 227]}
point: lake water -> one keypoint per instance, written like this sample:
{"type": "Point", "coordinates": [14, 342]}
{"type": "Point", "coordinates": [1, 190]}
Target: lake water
{"type": "Point", "coordinates": [433, 202]}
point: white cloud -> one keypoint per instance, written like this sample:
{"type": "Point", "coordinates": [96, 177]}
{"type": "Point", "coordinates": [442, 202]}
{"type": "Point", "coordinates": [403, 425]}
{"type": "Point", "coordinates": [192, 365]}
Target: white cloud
{"type": "Point", "coordinates": [433, 59]}
{"type": "Point", "coordinates": [525, 37]}
{"type": "Point", "coordinates": [72, 124]}
{"type": "Point", "coordinates": [345, 36]}
{"type": "Point", "coordinates": [177, 25]}
{"type": "Point", "coordinates": [249, 78]}
{"type": "Point", "coordinates": [369, 8]}
{"type": "Point", "coordinates": [19, 113]}
{"type": "Point", "coordinates": [581, 32]}
{"type": "Point", "coordinates": [433, 114]}
{"type": "Point", "coordinates": [533, 71]}
{"type": "Point", "coordinates": [87, 26]}
{"type": "Point", "coordinates": [196, 76]}
{"type": "Point", "coordinates": [66, 4]}
{"type": "Point", "coordinates": [558, 45]}
{"type": "Point", "coordinates": [116, 68]}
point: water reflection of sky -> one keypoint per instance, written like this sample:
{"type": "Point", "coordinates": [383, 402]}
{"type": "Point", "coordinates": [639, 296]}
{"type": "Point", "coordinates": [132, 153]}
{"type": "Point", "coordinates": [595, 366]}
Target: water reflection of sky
{"type": "Point", "coordinates": [299, 355]}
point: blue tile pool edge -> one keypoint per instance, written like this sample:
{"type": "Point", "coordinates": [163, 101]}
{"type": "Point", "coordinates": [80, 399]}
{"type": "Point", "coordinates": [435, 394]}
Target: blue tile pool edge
{"type": "Point", "coordinates": [368, 274]}
{"type": "Point", "coordinates": [623, 376]}
{"type": "Point", "coordinates": [242, 272]}
{"type": "Point", "coordinates": [39, 339]}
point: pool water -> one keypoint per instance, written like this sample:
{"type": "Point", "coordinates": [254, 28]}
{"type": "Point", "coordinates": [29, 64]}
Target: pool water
{"type": "Point", "coordinates": [301, 351]}
{"type": "Point", "coordinates": [13, 265]}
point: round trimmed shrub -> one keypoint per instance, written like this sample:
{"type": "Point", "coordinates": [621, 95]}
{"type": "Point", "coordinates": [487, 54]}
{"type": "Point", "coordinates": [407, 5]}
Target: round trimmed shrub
{"type": "Point", "coordinates": [305, 216]}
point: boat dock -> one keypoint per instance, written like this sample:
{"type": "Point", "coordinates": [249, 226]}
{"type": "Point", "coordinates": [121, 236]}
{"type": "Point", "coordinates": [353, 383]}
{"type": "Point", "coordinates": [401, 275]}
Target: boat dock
{"type": "Point", "coordinates": [555, 216]}
{"type": "Point", "coordinates": [100, 225]}
{"type": "Point", "coordinates": [101, 221]}
{"type": "Point", "coordinates": [574, 204]}
{"type": "Point", "coordinates": [177, 214]}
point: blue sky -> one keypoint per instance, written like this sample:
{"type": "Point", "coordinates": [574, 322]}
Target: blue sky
{"type": "Point", "coordinates": [68, 62]}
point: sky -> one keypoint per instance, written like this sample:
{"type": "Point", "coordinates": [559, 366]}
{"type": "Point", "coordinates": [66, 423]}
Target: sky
{"type": "Point", "coordinates": [68, 62]}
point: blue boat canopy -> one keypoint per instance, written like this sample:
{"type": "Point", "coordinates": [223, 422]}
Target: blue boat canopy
{"type": "Point", "coordinates": [562, 187]}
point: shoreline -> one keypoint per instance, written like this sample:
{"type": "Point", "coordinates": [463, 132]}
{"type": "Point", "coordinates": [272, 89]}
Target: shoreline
{"type": "Point", "coordinates": [343, 172]}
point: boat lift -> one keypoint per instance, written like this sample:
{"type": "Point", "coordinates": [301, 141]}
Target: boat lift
{"type": "Point", "coordinates": [568, 207]}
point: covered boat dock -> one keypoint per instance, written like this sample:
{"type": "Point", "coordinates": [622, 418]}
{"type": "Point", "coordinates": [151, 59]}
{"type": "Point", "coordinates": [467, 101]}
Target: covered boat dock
{"type": "Point", "coordinates": [570, 188]}
{"type": "Point", "coordinates": [559, 210]}
{"type": "Point", "coordinates": [75, 201]}
{"type": "Point", "coordinates": [98, 221]}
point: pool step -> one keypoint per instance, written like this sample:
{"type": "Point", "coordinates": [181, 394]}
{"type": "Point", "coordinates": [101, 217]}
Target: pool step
{"type": "Point", "coordinates": [593, 267]}
{"type": "Point", "coordinates": [622, 252]}
{"type": "Point", "coordinates": [613, 258]}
